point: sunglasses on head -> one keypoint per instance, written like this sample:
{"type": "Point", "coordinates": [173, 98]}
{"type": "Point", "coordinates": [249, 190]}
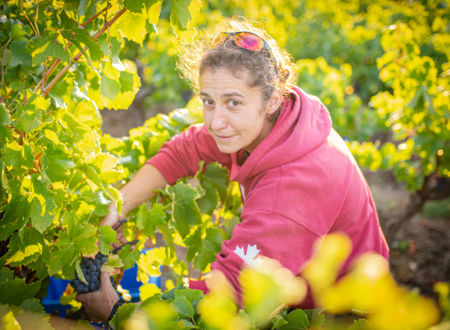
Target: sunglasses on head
{"type": "Point", "coordinates": [246, 40]}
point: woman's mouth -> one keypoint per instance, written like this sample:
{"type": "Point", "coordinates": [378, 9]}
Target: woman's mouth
{"type": "Point", "coordinates": [223, 137]}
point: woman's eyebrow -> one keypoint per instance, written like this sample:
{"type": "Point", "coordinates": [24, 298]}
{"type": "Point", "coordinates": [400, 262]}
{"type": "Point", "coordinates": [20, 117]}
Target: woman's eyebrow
{"type": "Point", "coordinates": [230, 94]}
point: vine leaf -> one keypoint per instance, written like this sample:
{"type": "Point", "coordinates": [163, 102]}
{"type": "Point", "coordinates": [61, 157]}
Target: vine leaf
{"type": "Point", "coordinates": [147, 220]}
{"type": "Point", "coordinates": [54, 49]}
{"type": "Point", "coordinates": [109, 87]}
{"type": "Point", "coordinates": [297, 320]}
{"type": "Point", "coordinates": [15, 216]}
{"type": "Point", "coordinates": [185, 209]}
{"type": "Point", "coordinates": [106, 237]}
{"type": "Point", "coordinates": [126, 81]}
{"type": "Point", "coordinates": [182, 306]}
{"type": "Point", "coordinates": [154, 11]}
{"type": "Point", "coordinates": [130, 26]}
{"type": "Point", "coordinates": [16, 291]}
{"type": "Point", "coordinates": [179, 15]}
{"type": "Point", "coordinates": [133, 5]}
{"type": "Point", "coordinates": [5, 119]}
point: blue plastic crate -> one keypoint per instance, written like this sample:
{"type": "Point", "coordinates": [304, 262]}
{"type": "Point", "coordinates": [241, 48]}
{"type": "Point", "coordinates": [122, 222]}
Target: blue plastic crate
{"type": "Point", "coordinates": [54, 292]}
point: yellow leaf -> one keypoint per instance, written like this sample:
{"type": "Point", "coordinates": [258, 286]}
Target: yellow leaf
{"type": "Point", "coordinates": [41, 103]}
{"type": "Point", "coordinates": [154, 12]}
{"type": "Point", "coordinates": [20, 255]}
{"type": "Point", "coordinates": [148, 290]}
{"type": "Point", "coordinates": [10, 322]}
{"type": "Point", "coordinates": [217, 307]}
{"type": "Point", "coordinates": [131, 26]}
{"type": "Point", "coordinates": [324, 267]}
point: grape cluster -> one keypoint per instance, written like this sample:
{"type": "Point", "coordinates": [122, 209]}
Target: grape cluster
{"type": "Point", "coordinates": [91, 270]}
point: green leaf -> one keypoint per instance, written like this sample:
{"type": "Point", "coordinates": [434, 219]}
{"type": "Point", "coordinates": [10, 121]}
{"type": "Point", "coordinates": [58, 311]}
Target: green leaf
{"type": "Point", "coordinates": [29, 118]}
{"type": "Point", "coordinates": [16, 291]}
{"type": "Point", "coordinates": [185, 210]}
{"type": "Point", "coordinates": [32, 305]}
{"type": "Point", "coordinates": [12, 154]}
{"type": "Point", "coordinates": [193, 296]}
{"type": "Point", "coordinates": [64, 254]}
{"type": "Point", "coordinates": [80, 273]}
{"type": "Point", "coordinates": [194, 243]}
{"type": "Point", "coordinates": [106, 237]}
{"type": "Point", "coordinates": [6, 274]}
{"type": "Point", "coordinates": [210, 197]}
{"type": "Point", "coordinates": [206, 255]}
{"type": "Point", "coordinates": [148, 220]}
{"type": "Point", "coordinates": [92, 175]}
{"type": "Point", "coordinates": [6, 57]}
{"type": "Point", "coordinates": [4, 116]}
{"type": "Point", "coordinates": [179, 15]}
{"type": "Point", "coordinates": [57, 164]}
{"type": "Point", "coordinates": [21, 54]}
{"type": "Point", "coordinates": [84, 238]}
{"type": "Point", "coordinates": [297, 320]}
{"type": "Point", "coordinates": [109, 88]}
{"type": "Point", "coordinates": [316, 317]}
{"type": "Point", "coordinates": [94, 48]}
{"type": "Point", "coordinates": [123, 314]}
{"type": "Point", "coordinates": [42, 205]}
{"type": "Point", "coordinates": [214, 181]}
{"type": "Point", "coordinates": [218, 176]}
{"type": "Point", "coordinates": [126, 81]}
{"type": "Point", "coordinates": [182, 306]}
{"type": "Point", "coordinates": [15, 216]}
{"type": "Point", "coordinates": [134, 5]}
{"type": "Point", "coordinates": [54, 49]}
{"type": "Point", "coordinates": [215, 236]}
{"type": "Point", "coordinates": [277, 322]}
{"type": "Point", "coordinates": [142, 220]}
{"type": "Point", "coordinates": [157, 214]}
{"type": "Point", "coordinates": [128, 256]}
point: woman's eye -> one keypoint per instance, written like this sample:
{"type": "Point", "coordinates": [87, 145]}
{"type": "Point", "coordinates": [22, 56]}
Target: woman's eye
{"type": "Point", "coordinates": [208, 103]}
{"type": "Point", "coordinates": [233, 103]}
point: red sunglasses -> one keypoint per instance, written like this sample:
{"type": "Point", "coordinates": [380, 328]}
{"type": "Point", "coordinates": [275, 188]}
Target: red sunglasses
{"type": "Point", "coordinates": [246, 40]}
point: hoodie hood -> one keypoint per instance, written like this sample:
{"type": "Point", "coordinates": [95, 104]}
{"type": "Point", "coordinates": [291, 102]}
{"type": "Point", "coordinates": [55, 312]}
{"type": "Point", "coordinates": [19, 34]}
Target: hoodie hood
{"type": "Point", "coordinates": [303, 125]}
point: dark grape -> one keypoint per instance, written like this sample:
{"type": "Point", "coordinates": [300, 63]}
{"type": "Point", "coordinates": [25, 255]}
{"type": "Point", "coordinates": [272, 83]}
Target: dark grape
{"type": "Point", "coordinates": [91, 271]}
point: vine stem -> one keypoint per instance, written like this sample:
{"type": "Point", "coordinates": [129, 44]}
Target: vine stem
{"type": "Point", "coordinates": [57, 61]}
{"type": "Point", "coordinates": [26, 16]}
{"type": "Point", "coordinates": [36, 18]}
{"type": "Point", "coordinates": [77, 57]}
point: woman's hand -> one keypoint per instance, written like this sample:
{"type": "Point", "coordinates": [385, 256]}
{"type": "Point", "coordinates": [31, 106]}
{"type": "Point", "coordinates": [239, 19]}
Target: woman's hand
{"type": "Point", "coordinates": [113, 219]}
{"type": "Point", "coordinates": [141, 188]}
{"type": "Point", "coordinates": [99, 304]}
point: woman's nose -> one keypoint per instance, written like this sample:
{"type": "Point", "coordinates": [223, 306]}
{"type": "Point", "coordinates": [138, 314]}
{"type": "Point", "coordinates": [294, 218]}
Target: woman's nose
{"type": "Point", "coordinates": [218, 120]}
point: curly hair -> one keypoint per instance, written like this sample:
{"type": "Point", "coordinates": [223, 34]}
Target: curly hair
{"type": "Point", "coordinates": [197, 57]}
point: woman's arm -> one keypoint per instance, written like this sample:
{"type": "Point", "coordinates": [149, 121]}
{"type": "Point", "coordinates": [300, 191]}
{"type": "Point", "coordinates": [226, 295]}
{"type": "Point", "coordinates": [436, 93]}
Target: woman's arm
{"type": "Point", "coordinates": [141, 188]}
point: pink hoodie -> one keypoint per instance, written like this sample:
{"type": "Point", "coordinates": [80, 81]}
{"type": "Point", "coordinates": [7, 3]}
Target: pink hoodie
{"type": "Point", "coordinates": [299, 184]}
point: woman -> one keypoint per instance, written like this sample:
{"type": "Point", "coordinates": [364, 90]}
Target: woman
{"type": "Point", "coordinates": [298, 179]}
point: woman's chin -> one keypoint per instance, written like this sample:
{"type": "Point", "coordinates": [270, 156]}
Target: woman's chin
{"type": "Point", "coordinates": [226, 149]}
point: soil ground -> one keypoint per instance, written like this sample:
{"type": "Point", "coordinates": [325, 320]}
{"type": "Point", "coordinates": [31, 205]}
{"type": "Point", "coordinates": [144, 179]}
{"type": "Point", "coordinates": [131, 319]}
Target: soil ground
{"type": "Point", "coordinates": [419, 250]}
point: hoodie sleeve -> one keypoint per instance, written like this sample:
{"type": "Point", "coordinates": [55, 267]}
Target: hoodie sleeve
{"type": "Point", "coordinates": [180, 156]}
{"type": "Point", "coordinates": [269, 234]}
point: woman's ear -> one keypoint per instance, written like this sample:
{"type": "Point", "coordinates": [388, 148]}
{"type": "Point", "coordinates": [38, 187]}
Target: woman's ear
{"type": "Point", "coordinates": [274, 102]}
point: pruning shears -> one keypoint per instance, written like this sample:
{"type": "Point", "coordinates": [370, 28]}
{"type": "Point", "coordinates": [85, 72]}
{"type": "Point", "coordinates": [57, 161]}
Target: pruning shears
{"type": "Point", "coordinates": [116, 250]}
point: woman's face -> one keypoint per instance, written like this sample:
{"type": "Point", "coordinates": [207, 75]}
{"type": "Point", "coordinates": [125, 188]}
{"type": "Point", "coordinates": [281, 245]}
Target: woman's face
{"type": "Point", "coordinates": [233, 112]}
